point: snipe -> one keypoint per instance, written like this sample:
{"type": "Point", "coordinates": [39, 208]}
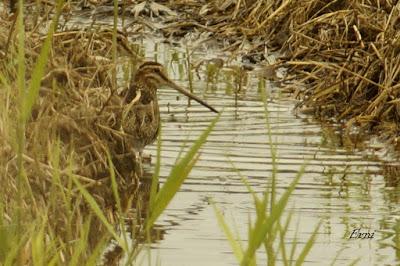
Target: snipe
{"type": "Point", "coordinates": [141, 117]}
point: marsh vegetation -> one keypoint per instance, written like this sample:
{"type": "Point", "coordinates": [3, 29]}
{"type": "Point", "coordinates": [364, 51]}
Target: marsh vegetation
{"type": "Point", "coordinates": [303, 152]}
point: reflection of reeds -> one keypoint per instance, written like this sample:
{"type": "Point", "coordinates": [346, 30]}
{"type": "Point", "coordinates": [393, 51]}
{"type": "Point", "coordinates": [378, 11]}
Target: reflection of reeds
{"type": "Point", "coordinates": [391, 173]}
{"type": "Point", "coordinates": [189, 72]}
{"type": "Point", "coordinates": [269, 227]}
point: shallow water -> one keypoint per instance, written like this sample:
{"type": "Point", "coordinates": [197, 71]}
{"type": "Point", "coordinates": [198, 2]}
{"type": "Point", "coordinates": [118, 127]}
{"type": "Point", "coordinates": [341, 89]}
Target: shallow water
{"type": "Point", "coordinates": [341, 188]}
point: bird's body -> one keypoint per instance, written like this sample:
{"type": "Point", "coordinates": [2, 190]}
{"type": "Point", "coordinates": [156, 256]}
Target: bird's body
{"type": "Point", "coordinates": [140, 120]}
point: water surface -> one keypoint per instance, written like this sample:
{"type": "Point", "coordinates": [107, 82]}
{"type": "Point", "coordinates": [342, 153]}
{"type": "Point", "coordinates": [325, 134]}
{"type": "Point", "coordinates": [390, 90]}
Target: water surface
{"type": "Point", "coordinates": [341, 187]}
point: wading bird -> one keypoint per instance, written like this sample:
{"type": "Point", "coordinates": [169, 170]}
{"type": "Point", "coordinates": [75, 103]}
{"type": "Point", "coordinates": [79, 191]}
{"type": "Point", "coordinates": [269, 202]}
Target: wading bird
{"type": "Point", "coordinates": [141, 117]}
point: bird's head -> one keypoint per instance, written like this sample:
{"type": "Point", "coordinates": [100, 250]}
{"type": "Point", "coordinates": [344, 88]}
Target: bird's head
{"type": "Point", "coordinates": [153, 76]}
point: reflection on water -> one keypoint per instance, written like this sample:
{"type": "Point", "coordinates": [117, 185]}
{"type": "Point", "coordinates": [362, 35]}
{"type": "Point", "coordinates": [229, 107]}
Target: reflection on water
{"type": "Point", "coordinates": [135, 207]}
{"type": "Point", "coordinates": [345, 185]}
{"type": "Point", "coordinates": [342, 185]}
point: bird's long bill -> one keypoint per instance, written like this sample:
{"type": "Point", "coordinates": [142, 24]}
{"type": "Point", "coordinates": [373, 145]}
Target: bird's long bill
{"type": "Point", "coordinates": [191, 96]}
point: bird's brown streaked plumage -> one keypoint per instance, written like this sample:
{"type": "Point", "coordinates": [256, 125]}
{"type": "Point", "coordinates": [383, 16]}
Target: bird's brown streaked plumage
{"type": "Point", "coordinates": [141, 121]}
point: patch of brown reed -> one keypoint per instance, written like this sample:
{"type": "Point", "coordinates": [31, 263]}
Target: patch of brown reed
{"type": "Point", "coordinates": [346, 53]}
{"type": "Point", "coordinates": [72, 131]}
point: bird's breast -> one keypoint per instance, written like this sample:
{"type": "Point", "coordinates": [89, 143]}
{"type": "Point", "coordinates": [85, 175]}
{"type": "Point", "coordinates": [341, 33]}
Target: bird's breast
{"type": "Point", "coordinates": [142, 123]}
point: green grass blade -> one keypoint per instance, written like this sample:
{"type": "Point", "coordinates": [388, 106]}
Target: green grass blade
{"type": "Point", "coordinates": [307, 247]}
{"type": "Point", "coordinates": [40, 67]}
{"type": "Point", "coordinates": [82, 243]}
{"type": "Point", "coordinates": [338, 253]}
{"type": "Point", "coordinates": [282, 235]}
{"type": "Point", "coordinates": [294, 243]}
{"type": "Point", "coordinates": [262, 229]}
{"type": "Point", "coordinates": [38, 252]}
{"type": "Point", "coordinates": [178, 174]}
{"type": "Point", "coordinates": [114, 185]}
{"type": "Point", "coordinates": [93, 260]}
{"type": "Point", "coordinates": [236, 247]}
{"type": "Point", "coordinates": [20, 130]}
{"type": "Point", "coordinates": [96, 209]}
{"type": "Point", "coordinates": [16, 246]}
{"type": "Point", "coordinates": [117, 198]}
{"type": "Point", "coordinates": [4, 238]}
{"type": "Point", "coordinates": [355, 262]}
{"type": "Point", "coordinates": [167, 192]}
{"type": "Point", "coordinates": [156, 174]}
{"type": "Point", "coordinates": [259, 204]}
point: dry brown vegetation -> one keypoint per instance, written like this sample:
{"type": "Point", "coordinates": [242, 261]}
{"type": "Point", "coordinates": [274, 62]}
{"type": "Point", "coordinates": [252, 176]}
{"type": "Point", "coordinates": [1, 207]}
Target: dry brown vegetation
{"type": "Point", "coordinates": [72, 131]}
{"type": "Point", "coordinates": [348, 56]}
{"type": "Point", "coordinates": [76, 110]}
{"type": "Point", "coordinates": [343, 56]}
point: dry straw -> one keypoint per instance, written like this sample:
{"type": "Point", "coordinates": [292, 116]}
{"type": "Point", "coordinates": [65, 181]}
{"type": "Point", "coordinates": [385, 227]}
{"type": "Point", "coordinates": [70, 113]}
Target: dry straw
{"type": "Point", "coordinates": [346, 53]}
{"type": "Point", "coordinates": [74, 123]}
